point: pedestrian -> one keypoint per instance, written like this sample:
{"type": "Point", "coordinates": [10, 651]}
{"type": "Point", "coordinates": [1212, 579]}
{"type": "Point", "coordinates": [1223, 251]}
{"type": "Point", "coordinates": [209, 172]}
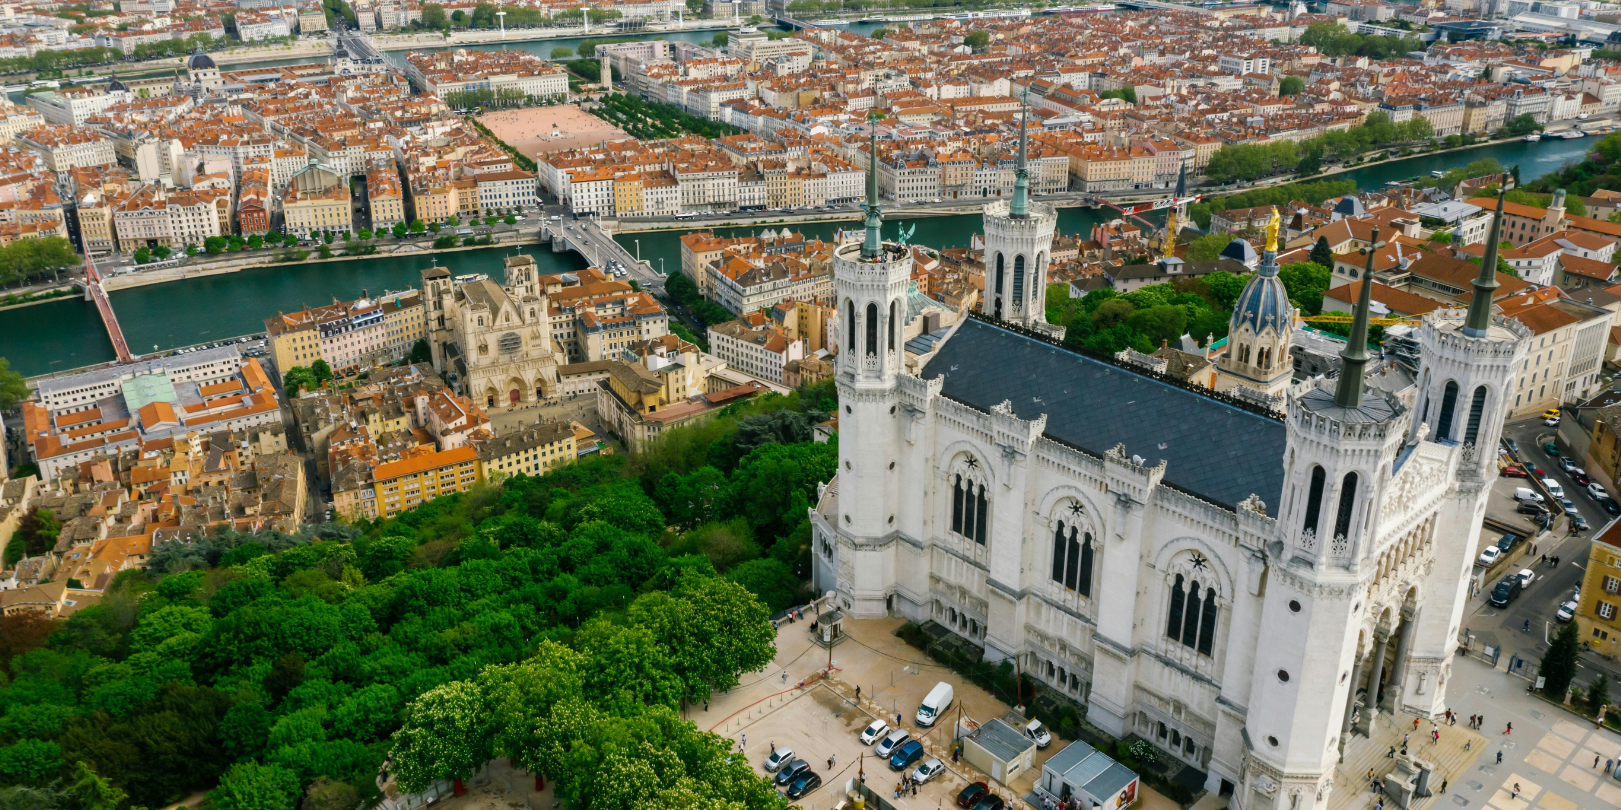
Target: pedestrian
{"type": "Point", "coordinates": [1468, 744]}
{"type": "Point", "coordinates": [858, 694]}
{"type": "Point", "coordinates": [1404, 738]}
{"type": "Point", "coordinates": [1415, 728]}
{"type": "Point", "coordinates": [1527, 625]}
{"type": "Point", "coordinates": [745, 742]}
{"type": "Point", "coordinates": [1370, 774]}
{"type": "Point", "coordinates": [914, 788]}
{"type": "Point", "coordinates": [1544, 558]}
{"type": "Point", "coordinates": [772, 748]}
{"type": "Point", "coordinates": [831, 760]}
{"type": "Point", "coordinates": [1509, 729]}
{"type": "Point", "coordinates": [1516, 794]}
{"type": "Point", "coordinates": [1443, 785]}
{"type": "Point", "coordinates": [1608, 763]}
{"type": "Point", "coordinates": [1404, 750]}
{"type": "Point", "coordinates": [897, 719]}
{"type": "Point", "coordinates": [1391, 754]}
{"type": "Point", "coordinates": [1499, 757]}
{"type": "Point", "coordinates": [785, 678]}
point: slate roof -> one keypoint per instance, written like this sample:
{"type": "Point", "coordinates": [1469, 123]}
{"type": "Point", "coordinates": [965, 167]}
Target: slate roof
{"type": "Point", "coordinates": [1215, 450]}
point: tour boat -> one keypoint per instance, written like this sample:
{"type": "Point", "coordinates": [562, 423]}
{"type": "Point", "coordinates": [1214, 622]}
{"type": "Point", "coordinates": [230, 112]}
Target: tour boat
{"type": "Point", "coordinates": [1533, 138]}
{"type": "Point", "coordinates": [1573, 134]}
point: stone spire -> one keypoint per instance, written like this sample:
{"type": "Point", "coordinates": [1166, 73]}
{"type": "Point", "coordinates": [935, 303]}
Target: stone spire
{"type": "Point", "coordinates": [1480, 306]}
{"type": "Point", "coordinates": [1019, 208]}
{"type": "Point", "coordinates": [1354, 360]}
{"type": "Point", "coordinates": [873, 248]}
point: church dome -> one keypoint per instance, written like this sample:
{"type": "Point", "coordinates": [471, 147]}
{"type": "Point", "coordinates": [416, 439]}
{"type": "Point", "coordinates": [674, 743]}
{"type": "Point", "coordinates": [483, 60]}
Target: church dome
{"type": "Point", "coordinates": [200, 60]}
{"type": "Point", "coordinates": [116, 86]}
{"type": "Point", "coordinates": [1263, 303]}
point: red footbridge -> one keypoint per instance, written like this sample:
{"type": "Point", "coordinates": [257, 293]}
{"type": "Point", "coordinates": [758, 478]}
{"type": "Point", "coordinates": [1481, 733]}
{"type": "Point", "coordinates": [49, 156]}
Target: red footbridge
{"type": "Point", "coordinates": [109, 319]}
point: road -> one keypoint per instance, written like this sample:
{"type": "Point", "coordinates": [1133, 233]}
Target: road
{"type": "Point", "coordinates": [1537, 604]}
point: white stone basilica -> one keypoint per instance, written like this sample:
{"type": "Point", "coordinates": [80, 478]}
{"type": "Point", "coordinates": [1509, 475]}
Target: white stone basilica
{"type": "Point", "coordinates": [1228, 582]}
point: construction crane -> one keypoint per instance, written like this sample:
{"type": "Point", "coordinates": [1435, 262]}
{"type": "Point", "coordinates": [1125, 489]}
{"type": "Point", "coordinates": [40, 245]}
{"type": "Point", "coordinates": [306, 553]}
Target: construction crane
{"type": "Point", "coordinates": [1134, 211]}
{"type": "Point", "coordinates": [1345, 318]}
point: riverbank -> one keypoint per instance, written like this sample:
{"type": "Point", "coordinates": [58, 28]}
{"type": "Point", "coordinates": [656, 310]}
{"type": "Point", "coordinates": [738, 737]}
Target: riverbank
{"type": "Point", "coordinates": [147, 278]}
{"type": "Point", "coordinates": [404, 42]}
{"type": "Point", "coordinates": [53, 294]}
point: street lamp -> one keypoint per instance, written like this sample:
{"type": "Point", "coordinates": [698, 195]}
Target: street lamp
{"type": "Point", "coordinates": [502, 16]}
{"type": "Point", "coordinates": [638, 249]}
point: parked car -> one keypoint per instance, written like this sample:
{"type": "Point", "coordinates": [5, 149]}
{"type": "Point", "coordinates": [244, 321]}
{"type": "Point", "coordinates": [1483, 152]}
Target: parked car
{"type": "Point", "coordinates": [991, 803]}
{"type": "Point", "coordinates": [1507, 589]}
{"type": "Point", "coordinates": [1612, 507]}
{"type": "Point", "coordinates": [1489, 555]}
{"type": "Point", "coordinates": [1567, 465]}
{"type": "Point", "coordinates": [1570, 505]}
{"type": "Point", "coordinates": [778, 758]}
{"type": "Point", "coordinates": [1512, 446]}
{"type": "Point", "coordinates": [1527, 576]}
{"type": "Point", "coordinates": [1578, 523]}
{"type": "Point", "coordinates": [1597, 492]}
{"type": "Point", "coordinates": [807, 782]}
{"type": "Point", "coordinates": [791, 771]}
{"type": "Point", "coordinates": [1037, 732]}
{"type": "Point", "coordinates": [871, 734]}
{"type": "Point", "coordinates": [1566, 612]}
{"type": "Point", "coordinates": [892, 741]}
{"type": "Point", "coordinates": [1539, 472]}
{"type": "Point", "coordinates": [970, 796]}
{"type": "Point", "coordinates": [1554, 422]}
{"type": "Point", "coordinates": [1531, 508]}
{"type": "Point", "coordinates": [1513, 471]}
{"type": "Point", "coordinates": [1551, 413]}
{"type": "Point", "coordinates": [927, 771]}
{"type": "Point", "coordinates": [905, 755]}
{"type": "Point", "coordinates": [1507, 542]}
{"type": "Point", "coordinates": [1527, 495]}
{"type": "Point", "coordinates": [1551, 449]}
{"type": "Point", "coordinates": [1581, 476]}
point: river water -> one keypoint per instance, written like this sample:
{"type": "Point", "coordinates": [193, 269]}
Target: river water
{"type": "Point", "coordinates": [68, 333]}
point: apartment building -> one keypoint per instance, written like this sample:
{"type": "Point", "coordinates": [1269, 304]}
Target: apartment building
{"type": "Point", "coordinates": [384, 197]}
{"type": "Point", "coordinates": [445, 72]}
{"type": "Point", "coordinates": [1564, 356]}
{"type": "Point", "coordinates": [348, 334]}
{"type": "Point", "coordinates": [533, 450]}
{"type": "Point", "coordinates": [72, 106]}
{"type": "Point", "coordinates": [756, 348]}
{"type": "Point", "coordinates": [65, 147]}
{"type": "Point", "coordinates": [404, 484]}
{"type": "Point", "coordinates": [744, 287]}
{"type": "Point", "coordinates": [503, 192]}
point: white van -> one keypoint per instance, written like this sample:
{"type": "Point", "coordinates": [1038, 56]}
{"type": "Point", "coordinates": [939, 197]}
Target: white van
{"type": "Point", "coordinates": [1553, 487]}
{"type": "Point", "coordinates": [936, 704]}
{"type": "Point", "coordinates": [1524, 495]}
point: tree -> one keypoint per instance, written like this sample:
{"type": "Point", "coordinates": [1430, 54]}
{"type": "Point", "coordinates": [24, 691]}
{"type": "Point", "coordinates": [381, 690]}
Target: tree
{"type": "Point", "coordinates": [1305, 282]}
{"type": "Point", "coordinates": [215, 245]}
{"type": "Point", "coordinates": [399, 230]}
{"type": "Point", "coordinates": [320, 371]}
{"type": "Point", "coordinates": [1321, 253]}
{"type": "Point", "coordinates": [771, 581]}
{"type": "Point", "coordinates": [30, 761]}
{"type": "Point", "coordinates": [420, 352]}
{"type": "Point", "coordinates": [562, 53]}
{"type": "Point", "coordinates": [433, 17]}
{"type": "Point", "coordinates": [142, 255]}
{"type": "Point", "coordinates": [92, 792]}
{"type": "Point", "coordinates": [1208, 247]}
{"type": "Point", "coordinates": [365, 234]}
{"type": "Point", "coordinates": [446, 735]}
{"type": "Point", "coordinates": [298, 378]}
{"type": "Point", "coordinates": [721, 39]}
{"type": "Point", "coordinates": [1598, 693]}
{"type": "Point", "coordinates": [977, 41]}
{"type": "Point", "coordinates": [1521, 125]}
{"type": "Point", "coordinates": [1290, 85]}
{"type": "Point", "coordinates": [1559, 663]}
{"type": "Point", "coordinates": [251, 786]}
{"type": "Point", "coordinates": [255, 241]}
{"type": "Point", "coordinates": [13, 386]}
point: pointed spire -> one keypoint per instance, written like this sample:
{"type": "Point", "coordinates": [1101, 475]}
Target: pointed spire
{"type": "Point", "coordinates": [1480, 305]}
{"type": "Point", "coordinates": [873, 248]}
{"type": "Point", "coordinates": [1182, 182]}
{"type": "Point", "coordinates": [1020, 206]}
{"type": "Point", "coordinates": [1354, 360]}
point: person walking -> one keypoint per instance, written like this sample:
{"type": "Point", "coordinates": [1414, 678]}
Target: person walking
{"type": "Point", "coordinates": [1391, 754]}
{"type": "Point", "coordinates": [858, 694]}
{"type": "Point", "coordinates": [743, 744]}
{"type": "Point", "coordinates": [1499, 757]}
{"type": "Point", "coordinates": [1509, 729]}
{"type": "Point", "coordinates": [1443, 785]}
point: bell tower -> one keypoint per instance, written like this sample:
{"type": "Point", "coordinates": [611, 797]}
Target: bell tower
{"type": "Point", "coordinates": [1018, 248]}
{"type": "Point", "coordinates": [870, 280]}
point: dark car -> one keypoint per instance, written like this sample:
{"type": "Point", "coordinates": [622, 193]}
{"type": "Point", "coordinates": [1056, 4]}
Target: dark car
{"type": "Point", "coordinates": [1531, 508]}
{"type": "Point", "coordinates": [1507, 542]}
{"type": "Point", "coordinates": [906, 755]}
{"type": "Point", "coordinates": [1512, 447]}
{"type": "Point", "coordinates": [789, 772]}
{"type": "Point", "coordinates": [990, 803]}
{"type": "Point", "coordinates": [1506, 590]}
{"type": "Point", "coordinates": [1612, 507]}
{"type": "Point", "coordinates": [803, 784]}
{"type": "Point", "coordinates": [1578, 523]}
{"type": "Point", "coordinates": [971, 795]}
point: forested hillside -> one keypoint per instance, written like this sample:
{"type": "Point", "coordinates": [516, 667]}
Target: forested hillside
{"type": "Point", "coordinates": [561, 621]}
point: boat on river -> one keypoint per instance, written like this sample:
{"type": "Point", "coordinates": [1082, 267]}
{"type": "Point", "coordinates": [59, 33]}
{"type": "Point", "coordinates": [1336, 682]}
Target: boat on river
{"type": "Point", "coordinates": [1533, 138]}
{"type": "Point", "coordinates": [1572, 134]}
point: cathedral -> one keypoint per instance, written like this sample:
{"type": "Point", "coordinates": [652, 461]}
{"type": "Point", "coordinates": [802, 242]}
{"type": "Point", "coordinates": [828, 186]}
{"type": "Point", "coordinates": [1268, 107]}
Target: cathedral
{"type": "Point", "coordinates": [1246, 587]}
{"type": "Point", "coordinates": [492, 341]}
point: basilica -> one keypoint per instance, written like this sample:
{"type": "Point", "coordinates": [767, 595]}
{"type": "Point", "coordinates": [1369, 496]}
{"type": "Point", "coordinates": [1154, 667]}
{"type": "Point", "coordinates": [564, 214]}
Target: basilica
{"type": "Point", "coordinates": [492, 341]}
{"type": "Point", "coordinates": [1248, 585]}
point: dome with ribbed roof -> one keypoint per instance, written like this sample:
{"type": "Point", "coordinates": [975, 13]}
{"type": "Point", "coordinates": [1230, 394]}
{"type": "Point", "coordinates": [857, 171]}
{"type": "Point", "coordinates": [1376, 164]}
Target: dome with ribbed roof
{"type": "Point", "coordinates": [200, 61]}
{"type": "Point", "coordinates": [1264, 303]}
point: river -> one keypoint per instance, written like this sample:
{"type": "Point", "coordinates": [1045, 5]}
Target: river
{"type": "Point", "coordinates": [67, 333]}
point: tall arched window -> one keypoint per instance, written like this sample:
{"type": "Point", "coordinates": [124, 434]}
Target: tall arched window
{"type": "Point", "coordinates": [997, 298]}
{"type": "Point", "coordinates": [850, 331]}
{"type": "Point", "coordinates": [1018, 278]}
{"type": "Point", "coordinates": [1173, 625]}
{"type": "Point", "coordinates": [872, 330]}
{"type": "Point", "coordinates": [979, 517]}
{"type": "Point", "coordinates": [967, 509]}
{"type": "Point", "coordinates": [1207, 623]}
{"type": "Point", "coordinates": [1060, 545]}
{"type": "Point", "coordinates": [1072, 569]}
{"type": "Point", "coordinates": [1314, 499]}
{"type": "Point", "coordinates": [1342, 521]}
{"type": "Point", "coordinates": [1086, 566]}
{"type": "Point", "coordinates": [893, 325]}
{"type": "Point", "coordinates": [1190, 623]}
{"type": "Point", "coordinates": [1449, 401]}
{"type": "Point", "coordinates": [1477, 406]}
{"type": "Point", "coordinates": [956, 505]}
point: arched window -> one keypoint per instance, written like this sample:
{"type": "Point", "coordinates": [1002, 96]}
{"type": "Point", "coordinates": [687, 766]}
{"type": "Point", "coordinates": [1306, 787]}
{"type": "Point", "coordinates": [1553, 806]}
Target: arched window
{"type": "Point", "coordinates": [850, 312]}
{"type": "Point", "coordinates": [997, 313]}
{"type": "Point", "coordinates": [1477, 406]}
{"type": "Point", "coordinates": [956, 505]}
{"type": "Point", "coordinates": [1207, 622]}
{"type": "Point", "coordinates": [1342, 521]}
{"type": "Point", "coordinates": [967, 509]}
{"type": "Point", "coordinates": [1449, 400]}
{"type": "Point", "coordinates": [1060, 544]}
{"type": "Point", "coordinates": [872, 330]}
{"type": "Point", "coordinates": [1173, 625]}
{"type": "Point", "coordinates": [1072, 570]}
{"type": "Point", "coordinates": [1190, 622]}
{"type": "Point", "coordinates": [1018, 278]}
{"type": "Point", "coordinates": [1086, 566]}
{"type": "Point", "coordinates": [979, 517]}
{"type": "Point", "coordinates": [893, 325]}
{"type": "Point", "coordinates": [1314, 498]}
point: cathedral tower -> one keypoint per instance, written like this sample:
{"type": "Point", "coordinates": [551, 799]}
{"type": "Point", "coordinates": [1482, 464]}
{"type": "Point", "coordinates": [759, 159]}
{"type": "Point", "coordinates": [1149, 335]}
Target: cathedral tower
{"type": "Point", "coordinates": [870, 281]}
{"type": "Point", "coordinates": [1259, 333]}
{"type": "Point", "coordinates": [1018, 247]}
